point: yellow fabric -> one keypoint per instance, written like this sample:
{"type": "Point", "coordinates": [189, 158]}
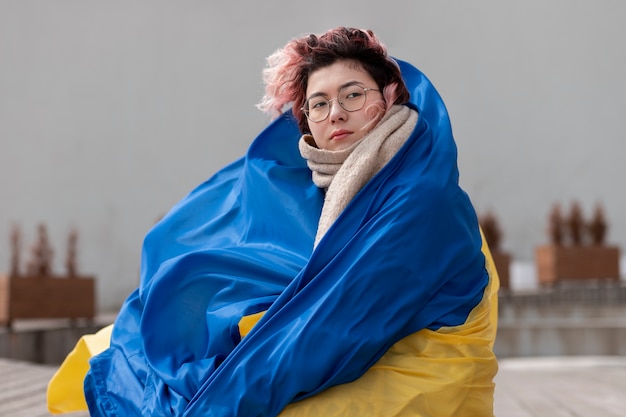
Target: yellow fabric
{"type": "Point", "coordinates": [494, 286]}
{"type": "Point", "coordinates": [448, 372]}
{"type": "Point", "coordinates": [65, 389]}
{"type": "Point", "coordinates": [247, 322]}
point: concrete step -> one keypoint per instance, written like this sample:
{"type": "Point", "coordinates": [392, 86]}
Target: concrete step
{"type": "Point", "coordinates": [575, 319]}
{"type": "Point", "coordinates": [46, 341]}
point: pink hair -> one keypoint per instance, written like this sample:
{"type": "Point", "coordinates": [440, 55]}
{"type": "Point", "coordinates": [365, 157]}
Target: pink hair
{"type": "Point", "coordinates": [288, 69]}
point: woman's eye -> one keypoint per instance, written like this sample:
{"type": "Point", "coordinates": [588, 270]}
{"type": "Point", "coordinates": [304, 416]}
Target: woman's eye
{"type": "Point", "coordinates": [318, 104]}
{"type": "Point", "coordinates": [353, 95]}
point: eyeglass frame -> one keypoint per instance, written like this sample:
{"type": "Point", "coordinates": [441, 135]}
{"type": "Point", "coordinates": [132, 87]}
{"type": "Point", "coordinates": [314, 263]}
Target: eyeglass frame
{"type": "Point", "coordinates": [365, 90]}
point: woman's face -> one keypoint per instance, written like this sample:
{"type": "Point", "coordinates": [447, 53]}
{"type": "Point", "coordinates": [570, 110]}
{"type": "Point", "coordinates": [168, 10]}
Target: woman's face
{"type": "Point", "coordinates": [343, 128]}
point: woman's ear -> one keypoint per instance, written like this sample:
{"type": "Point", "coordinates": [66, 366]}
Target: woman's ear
{"type": "Point", "coordinates": [375, 112]}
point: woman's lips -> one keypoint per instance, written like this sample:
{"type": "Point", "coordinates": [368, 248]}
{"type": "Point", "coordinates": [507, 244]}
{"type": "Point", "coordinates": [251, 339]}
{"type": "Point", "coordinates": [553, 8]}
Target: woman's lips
{"type": "Point", "coordinates": [339, 134]}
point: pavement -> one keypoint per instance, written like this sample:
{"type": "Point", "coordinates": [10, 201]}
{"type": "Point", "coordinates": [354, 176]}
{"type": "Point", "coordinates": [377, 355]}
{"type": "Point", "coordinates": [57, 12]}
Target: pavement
{"type": "Point", "coordinates": [23, 388]}
{"type": "Point", "coordinates": [581, 386]}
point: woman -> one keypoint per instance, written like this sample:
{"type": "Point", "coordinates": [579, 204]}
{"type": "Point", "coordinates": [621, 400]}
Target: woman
{"type": "Point", "coordinates": [353, 284]}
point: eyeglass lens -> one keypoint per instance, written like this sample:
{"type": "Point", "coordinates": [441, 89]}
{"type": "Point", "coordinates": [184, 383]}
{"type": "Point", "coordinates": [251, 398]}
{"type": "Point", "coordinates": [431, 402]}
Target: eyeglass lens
{"type": "Point", "coordinates": [350, 98]}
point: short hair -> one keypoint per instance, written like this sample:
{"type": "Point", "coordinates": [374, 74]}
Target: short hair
{"type": "Point", "coordinates": [288, 69]}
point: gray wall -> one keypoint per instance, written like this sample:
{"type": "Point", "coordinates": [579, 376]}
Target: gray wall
{"type": "Point", "coordinates": [111, 111]}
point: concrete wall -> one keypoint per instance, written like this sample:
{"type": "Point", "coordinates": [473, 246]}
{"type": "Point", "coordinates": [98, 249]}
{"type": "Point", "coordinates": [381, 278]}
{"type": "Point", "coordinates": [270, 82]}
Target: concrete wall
{"type": "Point", "coordinates": [111, 111]}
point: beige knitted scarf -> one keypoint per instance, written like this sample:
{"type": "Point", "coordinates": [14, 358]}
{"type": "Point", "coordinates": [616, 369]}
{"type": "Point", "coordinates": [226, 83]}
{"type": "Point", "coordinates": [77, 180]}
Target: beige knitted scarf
{"type": "Point", "coordinates": [343, 173]}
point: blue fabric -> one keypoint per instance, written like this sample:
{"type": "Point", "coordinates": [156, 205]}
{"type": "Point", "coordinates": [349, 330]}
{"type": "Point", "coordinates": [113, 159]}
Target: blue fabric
{"type": "Point", "coordinates": [403, 256]}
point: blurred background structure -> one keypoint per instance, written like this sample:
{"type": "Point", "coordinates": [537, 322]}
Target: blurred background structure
{"type": "Point", "coordinates": [110, 112]}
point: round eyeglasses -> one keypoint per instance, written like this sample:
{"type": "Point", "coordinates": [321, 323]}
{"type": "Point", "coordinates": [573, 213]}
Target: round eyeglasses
{"type": "Point", "coordinates": [350, 98]}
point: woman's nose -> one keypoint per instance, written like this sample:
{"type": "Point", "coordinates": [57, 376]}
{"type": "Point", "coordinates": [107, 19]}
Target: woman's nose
{"type": "Point", "coordinates": [336, 111]}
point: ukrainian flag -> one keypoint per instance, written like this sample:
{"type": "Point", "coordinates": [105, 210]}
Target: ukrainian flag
{"type": "Point", "coordinates": [393, 313]}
